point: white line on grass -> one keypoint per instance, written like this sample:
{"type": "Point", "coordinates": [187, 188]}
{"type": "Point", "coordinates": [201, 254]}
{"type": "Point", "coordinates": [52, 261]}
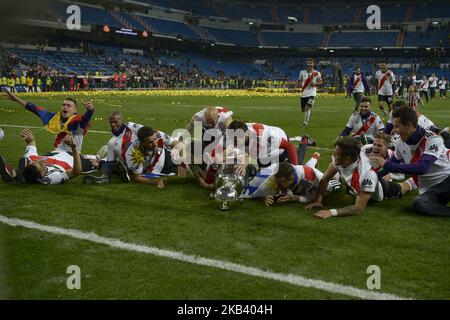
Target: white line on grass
{"type": "Point", "coordinates": [292, 279]}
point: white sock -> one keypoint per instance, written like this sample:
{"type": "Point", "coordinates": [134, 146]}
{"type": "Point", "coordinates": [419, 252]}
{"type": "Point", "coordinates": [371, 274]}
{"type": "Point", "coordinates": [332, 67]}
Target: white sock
{"type": "Point", "coordinates": [311, 163]}
{"type": "Point", "coordinates": [412, 184]}
{"type": "Point", "coordinates": [307, 115]}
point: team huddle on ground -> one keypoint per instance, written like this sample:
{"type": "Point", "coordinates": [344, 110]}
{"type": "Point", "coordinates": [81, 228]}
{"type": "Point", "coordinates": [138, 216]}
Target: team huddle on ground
{"type": "Point", "coordinates": [376, 162]}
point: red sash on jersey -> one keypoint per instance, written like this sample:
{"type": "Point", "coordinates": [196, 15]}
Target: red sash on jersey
{"type": "Point", "coordinates": [259, 129]}
{"type": "Point", "coordinates": [367, 124]}
{"type": "Point", "coordinates": [223, 110]}
{"type": "Point", "coordinates": [357, 81]}
{"type": "Point", "coordinates": [308, 80]}
{"type": "Point", "coordinates": [125, 141]}
{"type": "Point", "coordinates": [60, 163]}
{"type": "Point", "coordinates": [355, 180]}
{"type": "Point", "coordinates": [383, 80]}
{"type": "Point", "coordinates": [160, 147]}
{"type": "Point", "coordinates": [309, 175]}
{"type": "Point", "coordinates": [417, 155]}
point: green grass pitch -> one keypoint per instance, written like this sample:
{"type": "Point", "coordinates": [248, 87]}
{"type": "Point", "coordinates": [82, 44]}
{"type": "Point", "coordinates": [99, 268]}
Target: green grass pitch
{"type": "Point", "coordinates": [412, 251]}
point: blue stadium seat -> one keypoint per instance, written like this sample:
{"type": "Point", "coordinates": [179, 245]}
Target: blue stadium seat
{"type": "Point", "coordinates": [363, 39]}
{"type": "Point", "coordinates": [240, 37]}
{"type": "Point", "coordinates": [295, 39]}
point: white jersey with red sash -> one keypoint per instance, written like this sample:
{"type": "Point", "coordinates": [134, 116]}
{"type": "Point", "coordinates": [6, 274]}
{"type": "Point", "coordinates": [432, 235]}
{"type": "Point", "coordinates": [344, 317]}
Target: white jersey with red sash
{"type": "Point", "coordinates": [368, 127]}
{"type": "Point", "coordinates": [359, 176]}
{"type": "Point", "coordinates": [148, 161]}
{"type": "Point", "coordinates": [118, 145]}
{"type": "Point", "coordinates": [430, 144]}
{"type": "Point", "coordinates": [307, 181]}
{"type": "Point", "coordinates": [265, 142]}
{"type": "Point", "coordinates": [423, 85]}
{"type": "Point", "coordinates": [433, 82]}
{"type": "Point", "coordinates": [224, 115]}
{"type": "Point", "coordinates": [358, 86]}
{"type": "Point", "coordinates": [56, 165]}
{"type": "Point", "coordinates": [307, 79]}
{"type": "Point", "coordinates": [385, 81]}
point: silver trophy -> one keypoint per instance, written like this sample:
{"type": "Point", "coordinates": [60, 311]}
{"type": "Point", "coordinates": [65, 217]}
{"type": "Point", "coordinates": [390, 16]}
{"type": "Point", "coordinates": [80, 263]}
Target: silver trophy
{"type": "Point", "coordinates": [228, 186]}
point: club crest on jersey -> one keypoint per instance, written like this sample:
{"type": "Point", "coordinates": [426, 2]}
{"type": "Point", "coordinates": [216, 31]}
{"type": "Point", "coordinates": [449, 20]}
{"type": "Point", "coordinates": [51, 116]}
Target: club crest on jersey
{"type": "Point", "coordinates": [367, 182]}
{"type": "Point", "coordinates": [433, 148]}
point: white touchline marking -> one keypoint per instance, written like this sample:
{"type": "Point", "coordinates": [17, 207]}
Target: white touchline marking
{"type": "Point", "coordinates": [292, 279]}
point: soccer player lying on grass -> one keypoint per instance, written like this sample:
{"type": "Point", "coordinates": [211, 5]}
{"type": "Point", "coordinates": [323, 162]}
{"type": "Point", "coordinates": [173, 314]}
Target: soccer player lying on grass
{"type": "Point", "coordinates": [56, 168]}
{"type": "Point", "coordinates": [154, 154]}
{"type": "Point", "coordinates": [422, 154]}
{"type": "Point", "coordinates": [363, 125]}
{"type": "Point", "coordinates": [62, 123]}
{"type": "Point", "coordinates": [124, 134]}
{"type": "Point", "coordinates": [362, 181]}
{"type": "Point", "coordinates": [212, 118]}
{"type": "Point", "coordinates": [422, 121]}
{"type": "Point", "coordinates": [264, 143]}
{"type": "Point", "coordinates": [296, 183]}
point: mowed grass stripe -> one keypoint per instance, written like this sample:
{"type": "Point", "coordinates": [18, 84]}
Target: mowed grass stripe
{"type": "Point", "coordinates": [292, 279]}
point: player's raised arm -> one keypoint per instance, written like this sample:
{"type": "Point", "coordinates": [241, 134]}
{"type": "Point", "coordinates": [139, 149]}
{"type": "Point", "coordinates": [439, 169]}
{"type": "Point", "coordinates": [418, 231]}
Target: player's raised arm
{"type": "Point", "coordinates": [77, 168]}
{"type": "Point", "coordinates": [11, 96]}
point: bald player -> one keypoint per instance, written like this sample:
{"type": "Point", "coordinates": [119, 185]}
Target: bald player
{"type": "Point", "coordinates": [212, 118]}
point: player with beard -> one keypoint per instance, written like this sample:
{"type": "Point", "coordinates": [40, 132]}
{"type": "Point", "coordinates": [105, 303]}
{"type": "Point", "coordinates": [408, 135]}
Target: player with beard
{"type": "Point", "coordinates": [153, 154]}
{"type": "Point", "coordinates": [364, 124]}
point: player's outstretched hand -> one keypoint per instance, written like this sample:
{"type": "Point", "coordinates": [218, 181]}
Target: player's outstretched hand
{"type": "Point", "coordinates": [89, 105]}
{"type": "Point", "coordinates": [27, 136]}
{"type": "Point", "coordinates": [268, 201]}
{"type": "Point", "coordinates": [314, 204]}
{"type": "Point", "coordinates": [11, 96]}
{"type": "Point", "coordinates": [323, 214]}
{"type": "Point", "coordinates": [69, 141]}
